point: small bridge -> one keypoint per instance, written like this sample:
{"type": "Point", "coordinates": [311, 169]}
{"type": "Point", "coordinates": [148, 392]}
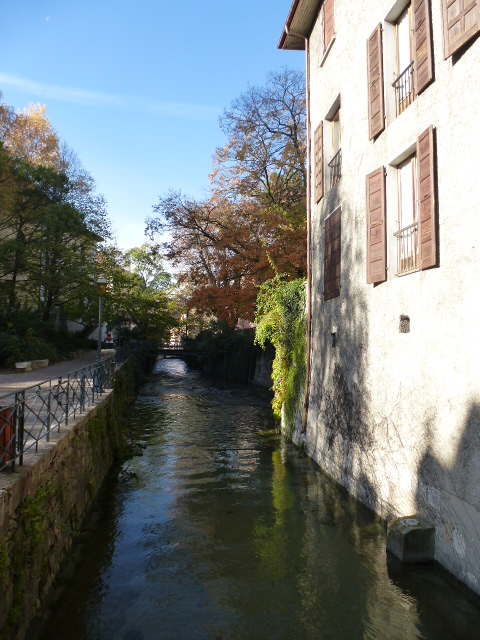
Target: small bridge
{"type": "Point", "coordinates": [178, 352]}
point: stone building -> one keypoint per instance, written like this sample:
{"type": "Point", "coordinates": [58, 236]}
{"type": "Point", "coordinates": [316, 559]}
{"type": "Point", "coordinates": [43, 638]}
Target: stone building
{"type": "Point", "coordinates": [393, 394]}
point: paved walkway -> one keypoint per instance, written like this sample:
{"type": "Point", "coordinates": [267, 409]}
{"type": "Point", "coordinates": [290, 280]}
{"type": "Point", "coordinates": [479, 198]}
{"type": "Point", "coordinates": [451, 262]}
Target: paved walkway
{"type": "Point", "coordinates": [11, 382]}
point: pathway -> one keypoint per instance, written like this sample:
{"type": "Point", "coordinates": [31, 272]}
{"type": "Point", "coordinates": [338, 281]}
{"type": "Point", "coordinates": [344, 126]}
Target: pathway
{"type": "Point", "coordinates": [11, 382]}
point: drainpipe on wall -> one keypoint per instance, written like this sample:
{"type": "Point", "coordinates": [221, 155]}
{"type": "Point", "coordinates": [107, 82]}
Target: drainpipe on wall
{"type": "Point", "coordinates": [309, 232]}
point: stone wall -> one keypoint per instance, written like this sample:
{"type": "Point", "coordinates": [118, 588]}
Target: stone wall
{"type": "Point", "coordinates": [263, 367]}
{"type": "Point", "coordinates": [236, 358]}
{"type": "Point", "coordinates": [45, 502]}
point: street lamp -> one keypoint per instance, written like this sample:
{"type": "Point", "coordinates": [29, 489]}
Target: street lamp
{"type": "Point", "coordinates": [101, 290]}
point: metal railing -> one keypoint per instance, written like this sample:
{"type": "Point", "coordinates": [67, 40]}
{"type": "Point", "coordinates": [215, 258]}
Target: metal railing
{"type": "Point", "coordinates": [30, 416]}
{"type": "Point", "coordinates": [404, 89]}
{"type": "Point", "coordinates": [335, 165]}
{"type": "Point", "coordinates": [407, 249]}
{"type": "Point", "coordinates": [123, 353]}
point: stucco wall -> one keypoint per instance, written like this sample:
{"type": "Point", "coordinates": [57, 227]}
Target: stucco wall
{"type": "Point", "coordinates": [395, 417]}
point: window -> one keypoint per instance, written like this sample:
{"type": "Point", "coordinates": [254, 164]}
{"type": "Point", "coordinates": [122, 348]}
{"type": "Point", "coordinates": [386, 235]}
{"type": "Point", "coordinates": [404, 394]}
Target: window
{"type": "Point", "coordinates": [414, 224]}
{"type": "Point", "coordinates": [461, 21]}
{"type": "Point", "coordinates": [403, 84]}
{"type": "Point", "coordinates": [335, 163]}
{"type": "Point", "coordinates": [332, 259]}
{"type": "Point", "coordinates": [332, 151]}
{"type": "Point", "coordinates": [407, 43]}
{"type": "Point", "coordinates": [416, 239]}
{"type": "Point", "coordinates": [407, 234]}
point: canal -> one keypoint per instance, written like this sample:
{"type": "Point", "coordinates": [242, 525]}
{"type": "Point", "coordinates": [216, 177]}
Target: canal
{"type": "Point", "coordinates": [221, 531]}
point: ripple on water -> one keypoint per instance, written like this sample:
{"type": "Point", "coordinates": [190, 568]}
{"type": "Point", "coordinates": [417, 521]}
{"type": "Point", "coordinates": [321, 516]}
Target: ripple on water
{"type": "Point", "coordinates": [220, 532]}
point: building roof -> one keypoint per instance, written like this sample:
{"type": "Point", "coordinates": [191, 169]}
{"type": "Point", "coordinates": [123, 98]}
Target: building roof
{"type": "Point", "coordinates": [300, 22]}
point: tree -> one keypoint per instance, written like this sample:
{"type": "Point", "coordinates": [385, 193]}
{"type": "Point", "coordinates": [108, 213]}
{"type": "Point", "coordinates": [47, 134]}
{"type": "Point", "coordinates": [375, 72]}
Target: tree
{"type": "Point", "coordinates": [51, 218]}
{"type": "Point", "coordinates": [30, 136]}
{"type": "Point", "coordinates": [61, 261]}
{"type": "Point", "coordinates": [264, 157]}
{"type": "Point", "coordinates": [82, 193]}
{"type": "Point", "coordinates": [256, 213]}
{"type": "Point", "coordinates": [141, 287]}
{"type": "Point", "coordinates": [25, 192]}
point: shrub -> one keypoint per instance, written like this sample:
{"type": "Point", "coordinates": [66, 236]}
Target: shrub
{"type": "Point", "coordinates": [280, 321]}
{"type": "Point", "coordinates": [15, 348]}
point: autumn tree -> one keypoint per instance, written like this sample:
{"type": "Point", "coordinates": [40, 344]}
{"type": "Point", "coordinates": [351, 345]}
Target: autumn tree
{"type": "Point", "coordinates": [29, 135]}
{"type": "Point", "coordinates": [51, 218]}
{"type": "Point", "coordinates": [255, 216]}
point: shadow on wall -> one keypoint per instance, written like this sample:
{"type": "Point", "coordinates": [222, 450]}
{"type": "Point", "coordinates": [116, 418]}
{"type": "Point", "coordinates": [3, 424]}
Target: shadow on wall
{"type": "Point", "coordinates": [381, 457]}
{"type": "Point", "coordinates": [449, 496]}
{"type": "Point", "coordinates": [341, 433]}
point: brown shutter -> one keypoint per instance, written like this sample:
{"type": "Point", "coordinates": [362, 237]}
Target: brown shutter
{"type": "Point", "coordinates": [376, 227]}
{"type": "Point", "coordinates": [328, 22]}
{"type": "Point", "coordinates": [376, 108]}
{"type": "Point", "coordinates": [426, 199]}
{"type": "Point", "coordinates": [318, 159]}
{"type": "Point", "coordinates": [332, 255]}
{"type": "Point", "coordinates": [422, 43]}
{"type": "Point", "coordinates": [461, 21]}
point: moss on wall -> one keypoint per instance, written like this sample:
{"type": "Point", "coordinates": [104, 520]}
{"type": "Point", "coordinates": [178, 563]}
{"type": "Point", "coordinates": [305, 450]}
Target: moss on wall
{"type": "Point", "coordinates": [45, 505]}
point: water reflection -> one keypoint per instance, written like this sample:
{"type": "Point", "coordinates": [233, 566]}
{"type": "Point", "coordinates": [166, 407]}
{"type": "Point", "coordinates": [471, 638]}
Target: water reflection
{"type": "Point", "coordinates": [221, 531]}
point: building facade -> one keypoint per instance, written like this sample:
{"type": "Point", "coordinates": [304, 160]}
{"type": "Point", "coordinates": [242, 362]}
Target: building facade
{"type": "Point", "coordinates": [394, 219]}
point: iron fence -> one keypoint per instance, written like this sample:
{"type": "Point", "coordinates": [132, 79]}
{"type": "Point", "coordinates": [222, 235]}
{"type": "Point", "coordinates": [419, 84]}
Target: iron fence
{"type": "Point", "coordinates": [30, 416]}
{"type": "Point", "coordinates": [335, 165]}
{"type": "Point", "coordinates": [407, 249]}
{"type": "Point", "coordinates": [404, 89]}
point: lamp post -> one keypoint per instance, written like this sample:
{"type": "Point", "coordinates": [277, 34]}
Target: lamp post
{"type": "Point", "coordinates": [101, 290]}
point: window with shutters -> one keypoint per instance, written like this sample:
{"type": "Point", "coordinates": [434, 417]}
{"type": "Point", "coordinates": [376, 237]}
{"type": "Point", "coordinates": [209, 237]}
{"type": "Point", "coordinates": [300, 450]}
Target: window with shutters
{"type": "Point", "coordinates": [415, 233]}
{"type": "Point", "coordinates": [407, 45]}
{"type": "Point", "coordinates": [332, 260]}
{"type": "Point", "coordinates": [461, 22]}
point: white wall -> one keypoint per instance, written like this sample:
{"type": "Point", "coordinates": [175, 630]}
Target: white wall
{"type": "Point", "coordinates": [395, 417]}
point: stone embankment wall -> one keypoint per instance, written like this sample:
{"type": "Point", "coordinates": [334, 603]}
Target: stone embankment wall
{"type": "Point", "coordinates": [238, 360]}
{"type": "Point", "coordinates": [262, 374]}
{"type": "Point", "coordinates": [45, 502]}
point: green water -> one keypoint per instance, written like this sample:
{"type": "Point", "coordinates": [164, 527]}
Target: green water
{"type": "Point", "coordinates": [221, 531]}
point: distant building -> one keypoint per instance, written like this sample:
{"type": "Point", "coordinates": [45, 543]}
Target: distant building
{"type": "Point", "coordinates": [394, 142]}
{"type": "Point", "coordinates": [244, 325]}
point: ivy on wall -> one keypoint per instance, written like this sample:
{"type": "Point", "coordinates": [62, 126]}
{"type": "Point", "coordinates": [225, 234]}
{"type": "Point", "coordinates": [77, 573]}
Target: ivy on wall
{"type": "Point", "coordinates": [280, 319]}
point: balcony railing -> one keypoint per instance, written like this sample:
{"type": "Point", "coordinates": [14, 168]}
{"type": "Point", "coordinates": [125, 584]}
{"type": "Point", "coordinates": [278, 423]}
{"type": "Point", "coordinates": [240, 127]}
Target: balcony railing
{"type": "Point", "coordinates": [335, 165]}
{"type": "Point", "coordinates": [404, 89]}
{"type": "Point", "coordinates": [407, 249]}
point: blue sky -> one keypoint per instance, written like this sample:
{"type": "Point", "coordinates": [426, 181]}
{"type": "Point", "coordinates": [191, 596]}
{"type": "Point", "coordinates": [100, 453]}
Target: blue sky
{"type": "Point", "coordinates": [136, 88]}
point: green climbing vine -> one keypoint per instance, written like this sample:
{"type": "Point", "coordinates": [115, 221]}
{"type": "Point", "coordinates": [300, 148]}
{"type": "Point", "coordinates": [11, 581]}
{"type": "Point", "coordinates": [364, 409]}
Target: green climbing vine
{"type": "Point", "coordinates": [280, 320]}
